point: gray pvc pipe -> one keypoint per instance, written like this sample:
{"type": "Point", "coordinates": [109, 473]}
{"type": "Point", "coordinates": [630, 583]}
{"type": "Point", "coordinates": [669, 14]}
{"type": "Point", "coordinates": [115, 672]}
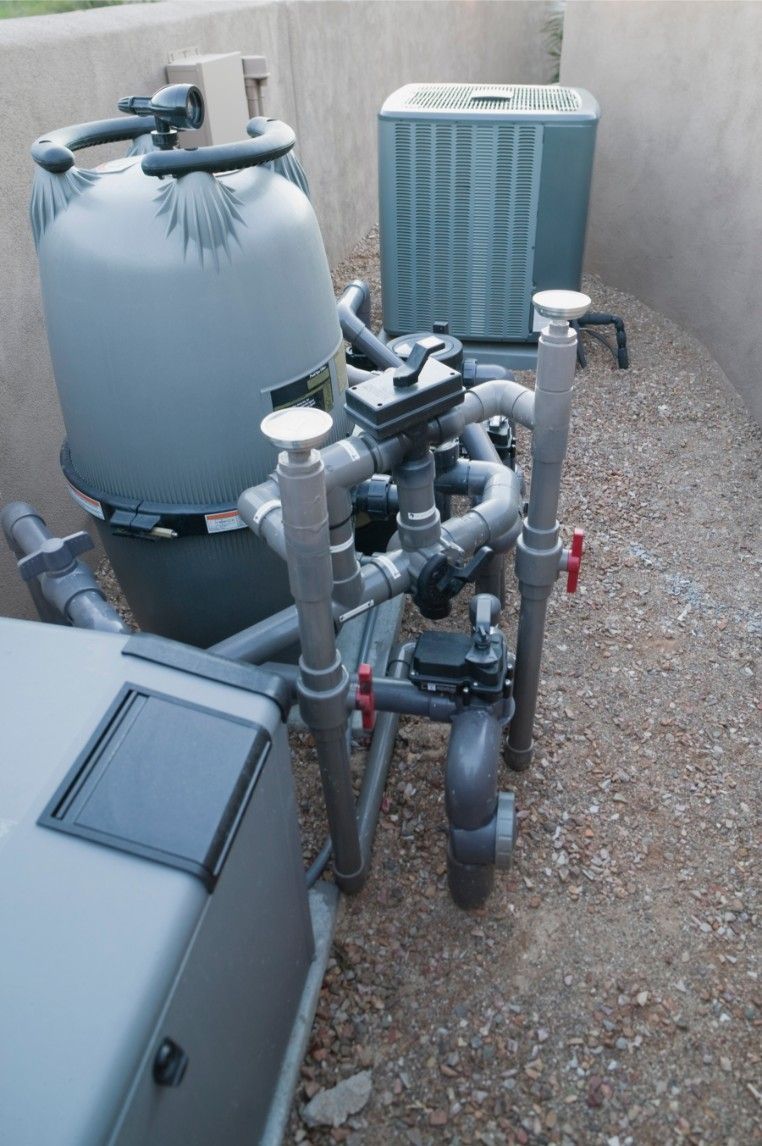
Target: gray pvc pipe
{"type": "Point", "coordinates": [88, 610]}
{"type": "Point", "coordinates": [323, 682]}
{"type": "Point", "coordinates": [404, 698]}
{"type": "Point", "coordinates": [418, 522]}
{"type": "Point", "coordinates": [72, 596]}
{"type": "Point", "coordinates": [492, 519]}
{"type": "Point", "coordinates": [529, 644]}
{"type": "Point", "coordinates": [500, 396]}
{"type": "Point", "coordinates": [263, 641]}
{"type": "Point", "coordinates": [478, 445]}
{"type": "Point", "coordinates": [383, 577]}
{"type": "Point", "coordinates": [353, 460]}
{"type": "Point", "coordinates": [466, 477]}
{"type": "Point", "coordinates": [471, 773]}
{"type": "Point", "coordinates": [24, 531]}
{"type": "Point", "coordinates": [353, 306]}
{"type": "Point", "coordinates": [495, 522]}
{"type": "Point", "coordinates": [489, 371]}
{"type": "Point", "coordinates": [355, 376]}
{"type": "Point", "coordinates": [374, 777]}
{"type": "Point", "coordinates": [347, 577]}
{"type": "Point", "coordinates": [356, 299]}
{"type": "Point", "coordinates": [539, 551]}
{"type": "Point", "coordinates": [392, 694]}
{"type": "Point", "coordinates": [379, 758]}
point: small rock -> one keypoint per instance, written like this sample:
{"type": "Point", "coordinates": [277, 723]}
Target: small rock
{"type": "Point", "coordinates": [333, 1107]}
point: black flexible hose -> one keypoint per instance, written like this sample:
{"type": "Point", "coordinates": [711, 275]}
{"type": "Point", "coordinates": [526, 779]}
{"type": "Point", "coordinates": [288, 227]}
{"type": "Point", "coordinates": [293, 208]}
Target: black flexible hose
{"type": "Point", "coordinates": [596, 318]}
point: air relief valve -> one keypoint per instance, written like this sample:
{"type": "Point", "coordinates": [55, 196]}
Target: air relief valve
{"type": "Point", "coordinates": [179, 107]}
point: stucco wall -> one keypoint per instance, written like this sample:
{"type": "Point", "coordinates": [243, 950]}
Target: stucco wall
{"type": "Point", "coordinates": [676, 209]}
{"type": "Point", "coordinates": [332, 64]}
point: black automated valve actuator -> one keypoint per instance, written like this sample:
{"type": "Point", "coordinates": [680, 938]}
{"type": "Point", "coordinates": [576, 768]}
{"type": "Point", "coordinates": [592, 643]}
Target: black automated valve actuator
{"type": "Point", "coordinates": [479, 666]}
{"type": "Point", "coordinates": [406, 396]}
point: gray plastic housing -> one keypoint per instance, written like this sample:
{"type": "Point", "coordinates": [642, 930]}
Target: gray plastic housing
{"type": "Point", "coordinates": [105, 953]}
{"type": "Point", "coordinates": [179, 312]}
{"type": "Point", "coordinates": [483, 200]}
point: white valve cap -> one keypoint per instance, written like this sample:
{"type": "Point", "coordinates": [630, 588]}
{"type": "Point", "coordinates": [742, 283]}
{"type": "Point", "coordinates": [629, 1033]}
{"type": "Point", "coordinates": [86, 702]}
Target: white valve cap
{"type": "Point", "coordinates": [561, 304]}
{"type": "Point", "coordinates": [297, 427]}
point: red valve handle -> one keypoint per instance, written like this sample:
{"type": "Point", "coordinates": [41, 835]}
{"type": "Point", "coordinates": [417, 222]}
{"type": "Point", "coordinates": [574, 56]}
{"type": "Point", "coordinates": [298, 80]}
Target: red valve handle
{"type": "Point", "coordinates": [365, 700]}
{"type": "Point", "coordinates": [574, 561]}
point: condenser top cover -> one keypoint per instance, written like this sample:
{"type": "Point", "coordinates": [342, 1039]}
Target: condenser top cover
{"type": "Point", "coordinates": [549, 102]}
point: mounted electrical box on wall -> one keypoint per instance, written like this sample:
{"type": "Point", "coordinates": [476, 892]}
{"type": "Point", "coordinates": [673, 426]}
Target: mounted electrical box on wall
{"type": "Point", "coordinates": [221, 80]}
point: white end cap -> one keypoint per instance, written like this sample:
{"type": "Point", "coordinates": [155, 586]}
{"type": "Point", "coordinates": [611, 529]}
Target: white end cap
{"type": "Point", "coordinates": [297, 427]}
{"type": "Point", "coordinates": [561, 304]}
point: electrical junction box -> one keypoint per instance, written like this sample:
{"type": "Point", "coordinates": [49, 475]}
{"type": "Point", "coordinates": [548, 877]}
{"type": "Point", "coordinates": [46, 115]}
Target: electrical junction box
{"type": "Point", "coordinates": [220, 78]}
{"type": "Point", "coordinates": [158, 943]}
{"type": "Point", "coordinates": [483, 198]}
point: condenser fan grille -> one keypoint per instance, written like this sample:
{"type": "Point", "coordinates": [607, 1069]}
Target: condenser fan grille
{"type": "Point", "coordinates": [494, 97]}
{"type": "Point", "coordinates": [466, 211]}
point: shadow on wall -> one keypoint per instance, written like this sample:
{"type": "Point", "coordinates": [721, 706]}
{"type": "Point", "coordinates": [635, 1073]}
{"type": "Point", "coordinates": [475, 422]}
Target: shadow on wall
{"type": "Point", "coordinates": [553, 38]}
{"type": "Point", "coordinates": [675, 211]}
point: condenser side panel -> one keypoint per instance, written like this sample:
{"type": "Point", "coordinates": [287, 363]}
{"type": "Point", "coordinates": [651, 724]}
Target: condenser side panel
{"type": "Point", "coordinates": [458, 219]}
{"type": "Point", "coordinates": [567, 168]}
{"type": "Point", "coordinates": [388, 223]}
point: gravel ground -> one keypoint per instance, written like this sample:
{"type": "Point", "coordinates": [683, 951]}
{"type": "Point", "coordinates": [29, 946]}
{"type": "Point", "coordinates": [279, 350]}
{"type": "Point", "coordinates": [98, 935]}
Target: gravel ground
{"type": "Point", "coordinates": [608, 993]}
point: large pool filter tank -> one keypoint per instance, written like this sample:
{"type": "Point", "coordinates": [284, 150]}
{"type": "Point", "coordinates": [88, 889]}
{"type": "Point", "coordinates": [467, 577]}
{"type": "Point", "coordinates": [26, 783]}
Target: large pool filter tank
{"type": "Point", "coordinates": [186, 295]}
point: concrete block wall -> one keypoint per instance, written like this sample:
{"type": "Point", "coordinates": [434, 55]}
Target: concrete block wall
{"type": "Point", "coordinates": [676, 208]}
{"type": "Point", "coordinates": [332, 63]}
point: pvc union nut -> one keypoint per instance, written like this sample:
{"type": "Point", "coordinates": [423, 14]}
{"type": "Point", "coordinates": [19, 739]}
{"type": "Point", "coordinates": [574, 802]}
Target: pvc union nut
{"type": "Point", "coordinates": [506, 829]}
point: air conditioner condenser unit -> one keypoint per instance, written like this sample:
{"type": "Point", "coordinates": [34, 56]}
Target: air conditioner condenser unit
{"type": "Point", "coordinates": [483, 199]}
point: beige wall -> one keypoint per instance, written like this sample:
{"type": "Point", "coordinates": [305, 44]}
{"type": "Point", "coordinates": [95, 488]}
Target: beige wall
{"type": "Point", "coordinates": [332, 64]}
{"type": "Point", "coordinates": [676, 211]}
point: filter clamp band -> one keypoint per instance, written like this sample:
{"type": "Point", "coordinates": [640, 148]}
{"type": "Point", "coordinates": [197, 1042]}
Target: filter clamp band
{"type": "Point", "coordinates": [149, 520]}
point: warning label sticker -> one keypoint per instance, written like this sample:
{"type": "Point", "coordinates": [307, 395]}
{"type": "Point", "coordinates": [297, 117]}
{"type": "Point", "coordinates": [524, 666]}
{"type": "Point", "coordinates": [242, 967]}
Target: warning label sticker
{"type": "Point", "coordinates": [224, 521]}
{"type": "Point", "coordinates": [89, 504]}
{"type": "Point", "coordinates": [315, 389]}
